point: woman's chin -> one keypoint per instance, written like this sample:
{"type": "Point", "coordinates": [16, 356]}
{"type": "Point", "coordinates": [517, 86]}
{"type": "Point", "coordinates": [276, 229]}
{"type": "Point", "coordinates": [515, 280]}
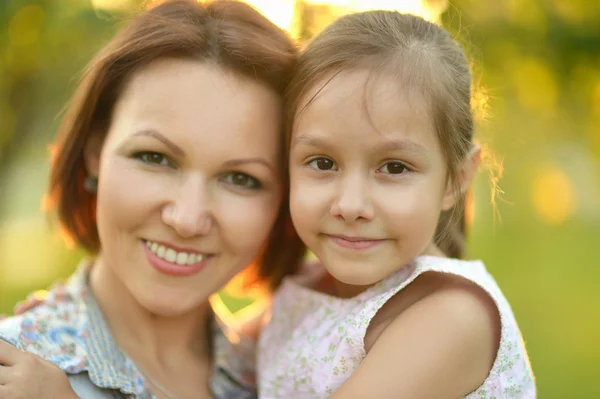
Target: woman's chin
{"type": "Point", "coordinates": [166, 303]}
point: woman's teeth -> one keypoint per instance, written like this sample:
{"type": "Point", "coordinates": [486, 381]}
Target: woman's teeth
{"type": "Point", "coordinates": [172, 256]}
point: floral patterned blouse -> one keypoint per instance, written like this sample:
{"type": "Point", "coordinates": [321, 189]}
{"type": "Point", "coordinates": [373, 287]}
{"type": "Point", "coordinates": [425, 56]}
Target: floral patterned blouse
{"type": "Point", "coordinates": [69, 329]}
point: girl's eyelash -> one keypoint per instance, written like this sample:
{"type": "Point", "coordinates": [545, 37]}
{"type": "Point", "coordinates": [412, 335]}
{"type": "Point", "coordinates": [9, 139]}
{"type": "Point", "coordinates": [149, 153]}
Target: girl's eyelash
{"type": "Point", "coordinates": [326, 164]}
{"type": "Point", "coordinates": [398, 168]}
{"type": "Point", "coordinates": [322, 164]}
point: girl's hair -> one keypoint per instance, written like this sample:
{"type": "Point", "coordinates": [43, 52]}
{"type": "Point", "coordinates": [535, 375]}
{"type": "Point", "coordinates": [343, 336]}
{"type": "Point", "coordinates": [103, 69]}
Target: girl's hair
{"type": "Point", "coordinates": [424, 58]}
{"type": "Point", "coordinates": [229, 34]}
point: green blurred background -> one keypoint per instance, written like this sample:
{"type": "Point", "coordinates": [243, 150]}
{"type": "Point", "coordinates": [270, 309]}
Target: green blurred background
{"type": "Point", "coordinates": [536, 212]}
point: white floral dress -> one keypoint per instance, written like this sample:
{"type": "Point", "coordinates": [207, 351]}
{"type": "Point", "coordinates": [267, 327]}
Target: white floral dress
{"type": "Point", "coordinates": [314, 342]}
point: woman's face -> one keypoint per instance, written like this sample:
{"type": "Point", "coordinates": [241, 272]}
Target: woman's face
{"type": "Point", "coordinates": [189, 182]}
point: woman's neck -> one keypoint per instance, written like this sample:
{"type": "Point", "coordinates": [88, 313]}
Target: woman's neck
{"type": "Point", "coordinates": [163, 341]}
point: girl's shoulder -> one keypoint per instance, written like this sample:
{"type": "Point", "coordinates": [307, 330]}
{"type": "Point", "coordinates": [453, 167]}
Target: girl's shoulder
{"type": "Point", "coordinates": [475, 314]}
{"type": "Point", "coordinates": [440, 276]}
{"type": "Point", "coordinates": [434, 282]}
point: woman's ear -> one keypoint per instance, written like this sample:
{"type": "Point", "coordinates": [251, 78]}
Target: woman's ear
{"type": "Point", "coordinates": [91, 153]}
{"type": "Point", "coordinates": [465, 176]}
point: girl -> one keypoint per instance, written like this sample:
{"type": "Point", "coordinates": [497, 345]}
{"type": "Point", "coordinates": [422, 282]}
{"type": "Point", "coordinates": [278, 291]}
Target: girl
{"type": "Point", "coordinates": [381, 154]}
{"type": "Point", "coordinates": [169, 169]}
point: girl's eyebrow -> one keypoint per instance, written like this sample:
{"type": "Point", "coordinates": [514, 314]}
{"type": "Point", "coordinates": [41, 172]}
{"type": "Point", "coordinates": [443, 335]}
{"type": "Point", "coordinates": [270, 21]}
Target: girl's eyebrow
{"type": "Point", "coordinates": [311, 141]}
{"type": "Point", "coordinates": [385, 147]}
{"type": "Point", "coordinates": [402, 145]}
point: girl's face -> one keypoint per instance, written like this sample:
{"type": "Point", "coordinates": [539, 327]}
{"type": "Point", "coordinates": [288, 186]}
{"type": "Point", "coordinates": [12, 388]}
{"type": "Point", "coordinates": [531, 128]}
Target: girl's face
{"type": "Point", "coordinates": [189, 182]}
{"type": "Point", "coordinates": [368, 177]}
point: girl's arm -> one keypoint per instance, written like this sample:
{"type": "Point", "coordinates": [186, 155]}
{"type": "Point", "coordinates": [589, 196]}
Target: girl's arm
{"type": "Point", "coordinates": [441, 347]}
{"type": "Point", "coordinates": [24, 375]}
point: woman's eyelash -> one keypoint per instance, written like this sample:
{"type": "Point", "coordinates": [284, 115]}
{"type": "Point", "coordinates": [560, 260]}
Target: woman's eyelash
{"type": "Point", "coordinates": [153, 158]}
{"type": "Point", "coordinates": [242, 180]}
{"type": "Point", "coordinates": [238, 179]}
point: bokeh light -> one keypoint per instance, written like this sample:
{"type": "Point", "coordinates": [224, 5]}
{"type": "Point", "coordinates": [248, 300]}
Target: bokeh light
{"type": "Point", "coordinates": [553, 195]}
{"type": "Point", "coordinates": [281, 12]}
{"type": "Point", "coordinates": [25, 26]}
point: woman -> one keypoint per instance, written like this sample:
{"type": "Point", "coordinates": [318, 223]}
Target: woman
{"type": "Point", "coordinates": [169, 168]}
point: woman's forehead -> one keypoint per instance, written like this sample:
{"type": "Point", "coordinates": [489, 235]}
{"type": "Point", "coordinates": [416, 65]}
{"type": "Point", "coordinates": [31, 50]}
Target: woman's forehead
{"type": "Point", "coordinates": [190, 95]}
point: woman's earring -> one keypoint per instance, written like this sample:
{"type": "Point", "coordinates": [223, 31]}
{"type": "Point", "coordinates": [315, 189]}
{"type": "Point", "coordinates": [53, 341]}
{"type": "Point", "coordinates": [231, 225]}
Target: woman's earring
{"type": "Point", "coordinates": [90, 184]}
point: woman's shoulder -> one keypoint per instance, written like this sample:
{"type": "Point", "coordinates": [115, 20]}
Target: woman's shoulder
{"type": "Point", "coordinates": [54, 329]}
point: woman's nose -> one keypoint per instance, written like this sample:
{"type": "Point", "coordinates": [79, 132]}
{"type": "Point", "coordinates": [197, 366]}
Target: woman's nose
{"type": "Point", "coordinates": [188, 212]}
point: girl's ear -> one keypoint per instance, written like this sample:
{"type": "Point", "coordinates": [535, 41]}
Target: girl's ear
{"type": "Point", "coordinates": [91, 153]}
{"type": "Point", "coordinates": [465, 176]}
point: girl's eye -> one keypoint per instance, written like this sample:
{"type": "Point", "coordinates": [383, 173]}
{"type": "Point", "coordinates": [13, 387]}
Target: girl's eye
{"type": "Point", "coordinates": [322, 164]}
{"type": "Point", "coordinates": [242, 180]}
{"type": "Point", "coordinates": [153, 158]}
{"type": "Point", "coordinates": [394, 168]}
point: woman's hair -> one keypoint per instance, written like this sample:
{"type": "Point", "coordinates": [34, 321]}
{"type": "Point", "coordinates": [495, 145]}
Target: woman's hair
{"type": "Point", "coordinates": [423, 58]}
{"type": "Point", "coordinates": [229, 34]}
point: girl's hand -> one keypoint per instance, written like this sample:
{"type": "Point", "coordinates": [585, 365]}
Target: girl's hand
{"type": "Point", "coordinates": [31, 301]}
{"type": "Point", "coordinates": [26, 376]}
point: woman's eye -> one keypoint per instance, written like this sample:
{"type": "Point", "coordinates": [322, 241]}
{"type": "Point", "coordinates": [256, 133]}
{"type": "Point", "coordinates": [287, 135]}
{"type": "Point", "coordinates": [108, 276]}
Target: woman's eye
{"type": "Point", "coordinates": [242, 180]}
{"type": "Point", "coordinates": [394, 168]}
{"type": "Point", "coordinates": [153, 158]}
{"type": "Point", "coordinates": [322, 164]}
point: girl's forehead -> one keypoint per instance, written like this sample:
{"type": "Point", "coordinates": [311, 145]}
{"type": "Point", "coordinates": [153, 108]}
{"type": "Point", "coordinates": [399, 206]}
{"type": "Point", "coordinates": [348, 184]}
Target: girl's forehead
{"type": "Point", "coordinates": [376, 98]}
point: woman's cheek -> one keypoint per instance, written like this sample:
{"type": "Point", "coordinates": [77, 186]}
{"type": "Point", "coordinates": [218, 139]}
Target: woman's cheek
{"type": "Point", "coordinates": [247, 222]}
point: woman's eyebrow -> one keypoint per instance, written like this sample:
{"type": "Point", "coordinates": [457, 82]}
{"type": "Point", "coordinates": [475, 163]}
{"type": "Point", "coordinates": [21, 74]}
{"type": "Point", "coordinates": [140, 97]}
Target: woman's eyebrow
{"type": "Point", "coordinates": [260, 161]}
{"type": "Point", "coordinates": [156, 134]}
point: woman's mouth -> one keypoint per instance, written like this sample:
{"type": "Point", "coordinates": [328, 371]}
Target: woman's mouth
{"type": "Point", "coordinates": [171, 260]}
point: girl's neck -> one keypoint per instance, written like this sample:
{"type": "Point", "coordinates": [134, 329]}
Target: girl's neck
{"type": "Point", "coordinates": [165, 341]}
{"type": "Point", "coordinates": [343, 290]}
{"type": "Point", "coordinates": [331, 286]}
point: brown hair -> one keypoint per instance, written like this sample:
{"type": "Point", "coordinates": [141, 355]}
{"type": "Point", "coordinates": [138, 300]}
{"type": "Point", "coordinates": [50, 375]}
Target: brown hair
{"type": "Point", "coordinates": [420, 54]}
{"type": "Point", "coordinates": [230, 34]}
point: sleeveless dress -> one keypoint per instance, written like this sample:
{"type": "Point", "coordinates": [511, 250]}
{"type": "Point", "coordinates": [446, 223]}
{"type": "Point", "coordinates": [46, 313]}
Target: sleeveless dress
{"type": "Point", "coordinates": [314, 342]}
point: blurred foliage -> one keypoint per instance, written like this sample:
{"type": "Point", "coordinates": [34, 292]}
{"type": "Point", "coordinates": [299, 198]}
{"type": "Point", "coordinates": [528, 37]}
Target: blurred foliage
{"type": "Point", "coordinates": [537, 63]}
